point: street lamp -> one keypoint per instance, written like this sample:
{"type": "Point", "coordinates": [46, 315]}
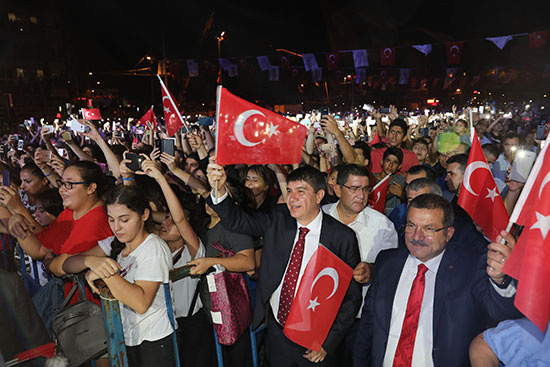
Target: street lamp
{"type": "Point", "coordinates": [220, 39]}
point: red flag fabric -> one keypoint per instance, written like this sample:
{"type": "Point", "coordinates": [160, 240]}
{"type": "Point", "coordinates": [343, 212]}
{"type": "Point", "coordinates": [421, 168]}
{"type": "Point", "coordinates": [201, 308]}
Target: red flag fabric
{"type": "Point", "coordinates": [148, 117]}
{"type": "Point", "coordinates": [479, 195]}
{"type": "Point", "coordinates": [251, 134]}
{"type": "Point", "coordinates": [387, 56]}
{"type": "Point", "coordinates": [318, 299]}
{"type": "Point", "coordinates": [454, 52]}
{"type": "Point", "coordinates": [529, 261]}
{"type": "Point", "coordinates": [332, 61]}
{"type": "Point", "coordinates": [537, 39]}
{"type": "Point", "coordinates": [91, 114]}
{"type": "Point", "coordinates": [377, 196]}
{"type": "Point", "coordinates": [172, 116]}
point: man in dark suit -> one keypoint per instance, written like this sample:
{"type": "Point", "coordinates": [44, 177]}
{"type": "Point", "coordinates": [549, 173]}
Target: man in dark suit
{"type": "Point", "coordinates": [282, 230]}
{"type": "Point", "coordinates": [427, 300]}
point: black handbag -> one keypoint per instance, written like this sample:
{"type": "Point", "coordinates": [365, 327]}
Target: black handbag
{"type": "Point", "coordinates": [78, 329]}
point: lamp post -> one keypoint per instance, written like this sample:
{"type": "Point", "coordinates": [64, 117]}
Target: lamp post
{"type": "Point", "coordinates": [220, 39]}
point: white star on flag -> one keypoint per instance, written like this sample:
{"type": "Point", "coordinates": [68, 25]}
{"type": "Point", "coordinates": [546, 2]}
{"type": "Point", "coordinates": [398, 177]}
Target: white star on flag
{"type": "Point", "coordinates": [312, 304]}
{"type": "Point", "coordinates": [167, 110]}
{"type": "Point", "coordinates": [543, 223]}
{"type": "Point", "coordinates": [273, 129]}
{"type": "Point", "coordinates": [492, 194]}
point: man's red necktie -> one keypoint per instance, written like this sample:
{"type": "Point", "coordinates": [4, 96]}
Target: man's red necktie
{"type": "Point", "coordinates": [291, 277]}
{"type": "Point", "coordinates": [405, 347]}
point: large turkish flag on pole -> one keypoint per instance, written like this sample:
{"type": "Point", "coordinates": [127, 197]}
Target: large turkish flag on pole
{"type": "Point", "coordinates": [479, 194]}
{"type": "Point", "coordinates": [529, 261]}
{"type": "Point", "coordinates": [318, 299]}
{"type": "Point", "coordinates": [172, 116]}
{"type": "Point", "coordinates": [251, 134]}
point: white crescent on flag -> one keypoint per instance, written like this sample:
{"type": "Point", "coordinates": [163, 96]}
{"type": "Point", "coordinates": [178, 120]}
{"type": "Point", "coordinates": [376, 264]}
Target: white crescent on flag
{"type": "Point", "coordinates": [239, 126]}
{"type": "Point", "coordinates": [543, 183]}
{"type": "Point", "coordinates": [331, 272]}
{"type": "Point", "coordinates": [454, 50]}
{"type": "Point", "coordinates": [468, 172]}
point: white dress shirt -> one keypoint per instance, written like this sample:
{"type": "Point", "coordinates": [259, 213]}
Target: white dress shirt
{"type": "Point", "coordinates": [311, 245]}
{"type": "Point", "coordinates": [374, 231]}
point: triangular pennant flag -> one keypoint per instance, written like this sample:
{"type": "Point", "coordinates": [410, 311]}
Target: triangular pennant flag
{"type": "Point", "coordinates": [332, 61]}
{"type": "Point", "coordinates": [172, 116]}
{"type": "Point", "coordinates": [225, 63]}
{"type": "Point", "coordinates": [192, 68]}
{"type": "Point", "coordinates": [387, 56]}
{"type": "Point", "coordinates": [360, 75]}
{"type": "Point", "coordinates": [500, 42]}
{"type": "Point", "coordinates": [425, 49]}
{"type": "Point", "coordinates": [232, 71]}
{"type": "Point", "coordinates": [274, 73]}
{"type": "Point", "coordinates": [404, 76]}
{"type": "Point", "coordinates": [264, 63]}
{"type": "Point", "coordinates": [317, 74]}
{"type": "Point", "coordinates": [360, 58]}
{"type": "Point", "coordinates": [310, 62]}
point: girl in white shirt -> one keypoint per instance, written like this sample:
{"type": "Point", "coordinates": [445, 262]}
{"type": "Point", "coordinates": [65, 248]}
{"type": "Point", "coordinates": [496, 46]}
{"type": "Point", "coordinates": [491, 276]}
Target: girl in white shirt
{"type": "Point", "coordinates": [143, 261]}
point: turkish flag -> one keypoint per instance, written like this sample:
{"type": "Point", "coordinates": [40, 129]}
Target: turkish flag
{"type": "Point", "coordinates": [332, 61]}
{"type": "Point", "coordinates": [529, 261]}
{"type": "Point", "coordinates": [479, 194]}
{"type": "Point", "coordinates": [285, 63]}
{"type": "Point", "coordinates": [251, 134]}
{"type": "Point", "coordinates": [172, 116]}
{"type": "Point", "coordinates": [377, 196]}
{"type": "Point", "coordinates": [387, 56]}
{"type": "Point", "coordinates": [91, 114]}
{"type": "Point", "coordinates": [148, 117]}
{"type": "Point", "coordinates": [454, 52]}
{"type": "Point", "coordinates": [318, 299]}
{"type": "Point", "coordinates": [537, 39]}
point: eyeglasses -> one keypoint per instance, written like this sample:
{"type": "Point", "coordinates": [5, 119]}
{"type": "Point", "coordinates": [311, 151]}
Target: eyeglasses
{"type": "Point", "coordinates": [68, 185]}
{"type": "Point", "coordinates": [355, 189]}
{"type": "Point", "coordinates": [426, 231]}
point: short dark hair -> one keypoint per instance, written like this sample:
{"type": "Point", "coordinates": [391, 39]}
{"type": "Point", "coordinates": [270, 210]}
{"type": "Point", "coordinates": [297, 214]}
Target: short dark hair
{"type": "Point", "coordinates": [511, 136]}
{"type": "Point", "coordinates": [415, 170]}
{"type": "Point", "coordinates": [364, 147]}
{"type": "Point", "coordinates": [433, 201]}
{"type": "Point", "coordinates": [347, 170]}
{"type": "Point", "coordinates": [492, 149]}
{"type": "Point", "coordinates": [51, 201]}
{"type": "Point", "coordinates": [422, 182]}
{"type": "Point", "coordinates": [308, 174]}
{"type": "Point", "coordinates": [401, 123]}
{"type": "Point", "coordinates": [421, 141]}
{"type": "Point", "coordinates": [461, 159]}
{"type": "Point", "coordinates": [394, 151]}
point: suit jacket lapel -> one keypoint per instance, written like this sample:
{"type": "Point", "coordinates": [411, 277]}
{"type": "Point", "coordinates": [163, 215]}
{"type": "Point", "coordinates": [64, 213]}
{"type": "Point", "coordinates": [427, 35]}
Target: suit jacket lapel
{"type": "Point", "coordinates": [444, 277]}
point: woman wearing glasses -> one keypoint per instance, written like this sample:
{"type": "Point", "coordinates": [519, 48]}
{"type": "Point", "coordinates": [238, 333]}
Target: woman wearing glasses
{"type": "Point", "coordinates": [77, 228]}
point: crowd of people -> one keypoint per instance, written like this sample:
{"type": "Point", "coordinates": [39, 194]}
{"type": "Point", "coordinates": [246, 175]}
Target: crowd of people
{"type": "Point", "coordinates": [427, 288]}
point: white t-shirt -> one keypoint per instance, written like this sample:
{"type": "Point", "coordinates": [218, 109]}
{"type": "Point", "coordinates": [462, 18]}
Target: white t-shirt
{"type": "Point", "coordinates": [184, 289]}
{"type": "Point", "coordinates": [150, 261]}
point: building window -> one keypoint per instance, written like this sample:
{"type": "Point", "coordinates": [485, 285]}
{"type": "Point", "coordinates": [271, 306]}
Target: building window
{"type": "Point", "coordinates": [11, 17]}
{"type": "Point", "coordinates": [40, 74]}
{"type": "Point", "coordinates": [34, 20]}
{"type": "Point", "coordinates": [20, 74]}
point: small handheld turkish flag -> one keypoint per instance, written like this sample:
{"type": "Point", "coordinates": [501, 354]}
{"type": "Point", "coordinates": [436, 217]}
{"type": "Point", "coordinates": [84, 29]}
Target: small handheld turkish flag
{"type": "Point", "coordinates": [387, 56]}
{"type": "Point", "coordinates": [529, 261]}
{"type": "Point", "coordinates": [148, 117]}
{"type": "Point", "coordinates": [251, 134]}
{"type": "Point", "coordinates": [454, 52]}
{"type": "Point", "coordinates": [377, 196]}
{"type": "Point", "coordinates": [479, 194]}
{"type": "Point", "coordinates": [318, 299]}
{"type": "Point", "coordinates": [91, 114]}
{"type": "Point", "coordinates": [172, 116]}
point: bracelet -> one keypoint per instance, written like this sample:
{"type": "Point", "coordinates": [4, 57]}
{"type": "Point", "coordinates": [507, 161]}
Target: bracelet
{"type": "Point", "coordinates": [128, 179]}
{"type": "Point", "coordinates": [49, 174]}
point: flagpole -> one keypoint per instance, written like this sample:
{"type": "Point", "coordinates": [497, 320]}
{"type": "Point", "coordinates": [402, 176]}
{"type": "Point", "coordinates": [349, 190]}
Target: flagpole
{"type": "Point", "coordinates": [471, 126]}
{"type": "Point", "coordinates": [218, 100]}
{"type": "Point", "coordinates": [171, 100]}
{"type": "Point", "coordinates": [381, 182]}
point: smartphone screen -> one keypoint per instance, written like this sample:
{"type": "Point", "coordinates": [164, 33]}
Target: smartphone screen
{"type": "Point", "coordinates": [6, 178]}
{"type": "Point", "coordinates": [168, 146]}
{"type": "Point", "coordinates": [523, 162]}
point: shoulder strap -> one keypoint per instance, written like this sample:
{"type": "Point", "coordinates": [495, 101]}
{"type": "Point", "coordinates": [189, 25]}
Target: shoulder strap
{"type": "Point", "coordinates": [194, 300]}
{"type": "Point", "coordinates": [176, 258]}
